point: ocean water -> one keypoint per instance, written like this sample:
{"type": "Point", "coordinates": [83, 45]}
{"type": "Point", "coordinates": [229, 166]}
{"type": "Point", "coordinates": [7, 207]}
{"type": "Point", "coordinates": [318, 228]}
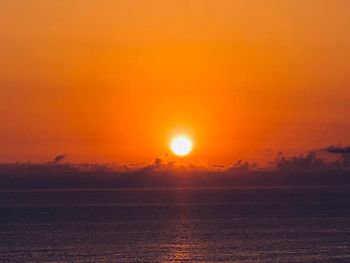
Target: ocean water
{"type": "Point", "coordinates": [176, 225]}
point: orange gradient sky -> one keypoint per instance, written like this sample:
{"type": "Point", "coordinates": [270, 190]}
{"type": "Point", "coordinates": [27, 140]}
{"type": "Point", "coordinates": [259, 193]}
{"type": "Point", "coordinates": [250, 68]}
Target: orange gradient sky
{"type": "Point", "coordinates": [106, 80]}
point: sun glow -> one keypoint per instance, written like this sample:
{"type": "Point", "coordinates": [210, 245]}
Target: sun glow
{"type": "Point", "coordinates": [181, 145]}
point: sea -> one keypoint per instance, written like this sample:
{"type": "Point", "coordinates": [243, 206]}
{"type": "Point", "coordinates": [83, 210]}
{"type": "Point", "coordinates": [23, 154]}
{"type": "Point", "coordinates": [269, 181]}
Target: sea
{"type": "Point", "coordinates": [298, 224]}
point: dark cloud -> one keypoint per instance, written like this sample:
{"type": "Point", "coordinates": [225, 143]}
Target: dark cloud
{"type": "Point", "coordinates": [307, 169]}
{"type": "Point", "coordinates": [59, 158]}
{"type": "Point", "coordinates": [308, 162]}
{"type": "Point", "coordinates": [337, 149]}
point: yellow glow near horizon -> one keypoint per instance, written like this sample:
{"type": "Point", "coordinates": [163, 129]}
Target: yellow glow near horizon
{"type": "Point", "coordinates": [181, 145]}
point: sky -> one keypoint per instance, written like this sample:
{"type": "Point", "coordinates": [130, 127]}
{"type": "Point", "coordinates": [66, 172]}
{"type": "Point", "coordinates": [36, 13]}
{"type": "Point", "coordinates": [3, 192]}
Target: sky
{"type": "Point", "coordinates": [114, 81]}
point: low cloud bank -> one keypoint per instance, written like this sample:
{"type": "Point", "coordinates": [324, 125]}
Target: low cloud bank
{"type": "Point", "coordinates": [328, 166]}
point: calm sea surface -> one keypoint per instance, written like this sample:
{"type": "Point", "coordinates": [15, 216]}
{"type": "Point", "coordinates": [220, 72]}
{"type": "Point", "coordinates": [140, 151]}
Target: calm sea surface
{"type": "Point", "coordinates": [177, 225]}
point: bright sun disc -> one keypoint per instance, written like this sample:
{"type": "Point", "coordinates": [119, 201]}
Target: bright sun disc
{"type": "Point", "coordinates": [181, 145]}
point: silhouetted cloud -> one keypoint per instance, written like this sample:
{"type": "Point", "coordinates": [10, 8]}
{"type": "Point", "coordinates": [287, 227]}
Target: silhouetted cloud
{"type": "Point", "coordinates": [302, 162]}
{"type": "Point", "coordinates": [307, 169]}
{"type": "Point", "coordinates": [337, 149]}
{"type": "Point", "coordinates": [158, 162]}
{"type": "Point", "coordinates": [59, 158]}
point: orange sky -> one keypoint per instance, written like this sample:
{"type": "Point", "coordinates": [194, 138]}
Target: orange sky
{"type": "Point", "coordinates": [106, 80]}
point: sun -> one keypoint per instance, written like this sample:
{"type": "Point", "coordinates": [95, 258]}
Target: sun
{"type": "Point", "coordinates": [181, 145]}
